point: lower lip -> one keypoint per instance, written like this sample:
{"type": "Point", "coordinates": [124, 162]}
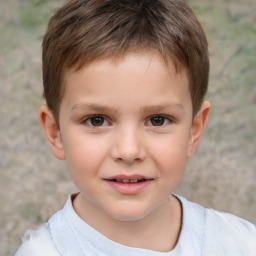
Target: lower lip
{"type": "Point", "coordinates": [129, 188]}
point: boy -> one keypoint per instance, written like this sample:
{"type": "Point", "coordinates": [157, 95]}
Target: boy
{"type": "Point", "coordinates": [124, 83]}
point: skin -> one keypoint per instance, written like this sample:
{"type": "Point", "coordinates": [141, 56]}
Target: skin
{"type": "Point", "coordinates": [145, 127]}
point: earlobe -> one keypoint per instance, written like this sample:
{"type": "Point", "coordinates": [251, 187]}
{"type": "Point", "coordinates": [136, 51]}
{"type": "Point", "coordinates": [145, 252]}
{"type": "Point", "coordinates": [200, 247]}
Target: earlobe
{"type": "Point", "coordinates": [198, 126]}
{"type": "Point", "coordinates": [51, 131]}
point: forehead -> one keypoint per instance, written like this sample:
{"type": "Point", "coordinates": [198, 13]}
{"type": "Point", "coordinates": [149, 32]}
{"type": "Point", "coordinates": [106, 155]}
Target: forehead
{"type": "Point", "coordinates": [116, 59]}
{"type": "Point", "coordinates": [121, 80]}
{"type": "Point", "coordinates": [148, 58]}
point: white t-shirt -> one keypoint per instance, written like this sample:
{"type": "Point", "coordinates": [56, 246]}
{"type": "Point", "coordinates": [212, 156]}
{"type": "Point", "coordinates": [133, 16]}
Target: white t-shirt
{"type": "Point", "coordinates": [204, 232]}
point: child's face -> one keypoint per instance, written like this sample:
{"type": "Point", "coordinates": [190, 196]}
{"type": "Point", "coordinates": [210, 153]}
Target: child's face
{"type": "Point", "coordinates": [126, 131]}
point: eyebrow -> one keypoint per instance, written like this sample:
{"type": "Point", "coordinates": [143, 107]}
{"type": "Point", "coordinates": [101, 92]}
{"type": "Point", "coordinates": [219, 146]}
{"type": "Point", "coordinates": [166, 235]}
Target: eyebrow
{"type": "Point", "coordinates": [93, 107]}
{"type": "Point", "coordinates": [145, 109]}
{"type": "Point", "coordinates": [162, 107]}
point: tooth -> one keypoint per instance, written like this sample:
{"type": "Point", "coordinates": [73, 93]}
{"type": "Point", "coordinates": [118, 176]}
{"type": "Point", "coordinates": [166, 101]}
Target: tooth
{"type": "Point", "coordinates": [119, 180]}
{"type": "Point", "coordinates": [134, 181]}
{"type": "Point", "coordinates": [125, 180]}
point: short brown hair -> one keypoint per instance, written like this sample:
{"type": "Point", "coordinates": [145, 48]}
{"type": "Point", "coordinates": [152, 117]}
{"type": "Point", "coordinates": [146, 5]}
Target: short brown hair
{"type": "Point", "coordinates": [85, 30]}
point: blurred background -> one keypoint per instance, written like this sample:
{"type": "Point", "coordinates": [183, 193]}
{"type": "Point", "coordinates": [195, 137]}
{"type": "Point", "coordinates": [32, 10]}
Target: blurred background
{"type": "Point", "coordinates": [222, 174]}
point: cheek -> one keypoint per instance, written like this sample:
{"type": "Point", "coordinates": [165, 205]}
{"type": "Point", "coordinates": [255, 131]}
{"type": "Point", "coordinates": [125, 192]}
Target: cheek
{"type": "Point", "coordinates": [83, 155]}
{"type": "Point", "coordinates": [171, 152]}
{"type": "Point", "coordinates": [83, 165]}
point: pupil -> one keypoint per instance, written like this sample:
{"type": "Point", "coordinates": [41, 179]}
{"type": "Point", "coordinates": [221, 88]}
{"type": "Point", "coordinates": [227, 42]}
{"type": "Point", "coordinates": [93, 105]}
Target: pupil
{"type": "Point", "coordinates": [157, 120]}
{"type": "Point", "coordinates": [97, 121]}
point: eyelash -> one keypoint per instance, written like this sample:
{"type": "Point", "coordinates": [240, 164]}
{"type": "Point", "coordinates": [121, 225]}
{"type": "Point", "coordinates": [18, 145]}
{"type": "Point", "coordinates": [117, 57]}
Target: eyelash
{"type": "Point", "coordinates": [88, 121]}
{"type": "Point", "coordinates": [166, 120]}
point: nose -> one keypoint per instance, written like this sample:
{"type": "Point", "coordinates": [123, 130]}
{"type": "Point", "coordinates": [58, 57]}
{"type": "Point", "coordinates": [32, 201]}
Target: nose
{"type": "Point", "coordinates": [128, 146]}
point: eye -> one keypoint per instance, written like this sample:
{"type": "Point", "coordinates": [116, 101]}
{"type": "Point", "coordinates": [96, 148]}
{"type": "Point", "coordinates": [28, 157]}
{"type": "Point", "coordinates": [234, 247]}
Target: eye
{"type": "Point", "coordinates": [159, 121]}
{"type": "Point", "coordinates": [96, 121]}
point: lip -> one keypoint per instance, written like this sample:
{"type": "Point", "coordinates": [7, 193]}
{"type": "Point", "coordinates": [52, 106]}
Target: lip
{"type": "Point", "coordinates": [128, 188]}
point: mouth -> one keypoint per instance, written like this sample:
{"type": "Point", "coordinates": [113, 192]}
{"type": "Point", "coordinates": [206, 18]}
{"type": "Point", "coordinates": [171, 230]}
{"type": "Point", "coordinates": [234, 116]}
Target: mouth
{"type": "Point", "coordinates": [128, 184]}
{"type": "Point", "coordinates": [127, 180]}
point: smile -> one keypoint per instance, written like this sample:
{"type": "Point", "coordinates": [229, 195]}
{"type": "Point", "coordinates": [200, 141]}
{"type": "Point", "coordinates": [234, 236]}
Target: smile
{"type": "Point", "coordinates": [128, 185]}
{"type": "Point", "coordinates": [129, 180]}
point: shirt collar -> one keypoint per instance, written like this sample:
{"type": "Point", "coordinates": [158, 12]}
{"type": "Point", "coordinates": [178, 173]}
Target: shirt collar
{"type": "Point", "coordinates": [75, 237]}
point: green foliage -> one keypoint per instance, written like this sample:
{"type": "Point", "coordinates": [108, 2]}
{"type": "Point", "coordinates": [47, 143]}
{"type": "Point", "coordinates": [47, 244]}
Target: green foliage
{"type": "Point", "coordinates": [31, 214]}
{"type": "Point", "coordinates": [37, 2]}
{"type": "Point", "coordinates": [33, 14]}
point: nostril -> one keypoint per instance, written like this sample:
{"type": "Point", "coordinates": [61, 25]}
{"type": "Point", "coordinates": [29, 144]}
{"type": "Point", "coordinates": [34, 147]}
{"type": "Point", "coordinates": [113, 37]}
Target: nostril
{"type": "Point", "coordinates": [128, 149]}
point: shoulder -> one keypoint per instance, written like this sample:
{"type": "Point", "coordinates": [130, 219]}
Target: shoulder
{"type": "Point", "coordinates": [228, 234]}
{"type": "Point", "coordinates": [217, 233]}
{"type": "Point", "coordinates": [37, 243]}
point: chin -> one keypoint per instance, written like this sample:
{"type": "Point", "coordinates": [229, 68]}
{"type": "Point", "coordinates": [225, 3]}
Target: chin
{"type": "Point", "coordinates": [128, 214]}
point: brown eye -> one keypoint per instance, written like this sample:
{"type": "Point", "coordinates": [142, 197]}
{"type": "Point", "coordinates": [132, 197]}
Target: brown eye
{"type": "Point", "coordinates": [158, 120]}
{"type": "Point", "coordinates": [96, 121]}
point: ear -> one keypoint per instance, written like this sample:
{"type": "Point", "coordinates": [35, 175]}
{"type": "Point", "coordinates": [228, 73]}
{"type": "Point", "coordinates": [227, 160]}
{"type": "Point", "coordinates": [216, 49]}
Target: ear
{"type": "Point", "coordinates": [198, 126]}
{"type": "Point", "coordinates": [51, 131]}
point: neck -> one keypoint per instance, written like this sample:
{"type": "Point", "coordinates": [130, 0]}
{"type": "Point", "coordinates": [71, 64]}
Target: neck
{"type": "Point", "coordinates": [165, 221]}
